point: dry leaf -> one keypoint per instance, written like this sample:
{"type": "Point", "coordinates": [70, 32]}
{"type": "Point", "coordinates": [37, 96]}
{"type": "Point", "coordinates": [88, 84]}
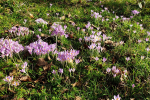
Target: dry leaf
{"type": "Point", "coordinates": [78, 98]}
{"type": "Point", "coordinates": [18, 99]}
{"type": "Point", "coordinates": [62, 18]}
{"type": "Point", "coordinates": [41, 62]}
{"type": "Point", "coordinates": [14, 72]}
{"type": "Point", "coordinates": [11, 90]}
{"type": "Point", "coordinates": [47, 67]}
{"type": "Point", "coordinates": [77, 83]}
{"type": "Point", "coordinates": [69, 15]}
{"type": "Point", "coordinates": [25, 79]}
{"type": "Point", "coordinates": [31, 15]}
{"type": "Point", "coordinates": [44, 35]}
{"type": "Point", "coordinates": [63, 91]}
{"type": "Point", "coordinates": [132, 98]}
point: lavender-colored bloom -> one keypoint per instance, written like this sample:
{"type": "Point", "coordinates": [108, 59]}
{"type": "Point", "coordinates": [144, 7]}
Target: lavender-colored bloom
{"type": "Point", "coordinates": [133, 85]}
{"type": "Point", "coordinates": [50, 4]}
{"type": "Point", "coordinates": [131, 17]}
{"type": "Point", "coordinates": [23, 70]}
{"type": "Point", "coordinates": [104, 59]}
{"type": "Point", "coordinates": [102, 6]}
{"type": "Point", "coordinates": [117, 17]}
{"type": "Point", "coordinates": [65, 26]}
{"type": "Point", "coordinates": [80, 39]}
{"type": "Point", "coordinates": [83, 30]}
{"type": "Point", "coordinates": [117, 71]}
{"type": "Point", "coordinates": [70, 70]}
{"type": "Point", "coordinates": [40, 30]}
{"type": "Point", "coordinates": [142, 57]}
{"type": "Point", "coordinates": [121, 42]}
{"type": "Point", "coordinates": [24, 65]}
{"type": "Point", "coordinates": [135, 12]}
{"type": "Point", "coordinates": [57, 14]}
{"type": "Point", "coordinates": [86, 39]}
{"type": "Point", "coordinates": [99, 33]}
{"type": "Point", "coordinates": [96, 58]}
{"type": "Point", "coordinates": [147, 49]}
{"type": "Point", "coordinates": [77, 61]}
{"type": "Point", "coordinates": [41, 21]}
{"type": "Point", "coordinates": [60, 70]}
{"type": "Point", "coordinates": [113, 68]}
{"type": "Point", "coordinates": [73, 70]}
{"type": "Point", "coordinates": [108, 70]}
{"type": "Point", "coordinates": [134, 31]}
{"type": "Point", "coordinates": [54, 72]}
{"type": "Point", "coordinates": [116, 97]}
{"type": "Point", "coordinates": [78, 28]}
{"type": "Point", "coordinates": [148, 33]}
{"type": "Point", "coordinates": [15, 83]}
{"type": "Point", "coordinates": [8, 79]}
{"type": "Point", "coordinates": [88, 25]}
{"type": "Point", "coordinates": [127, 58]}
{"type": "Point", "coordinates": [92, 46]}
{"type": "Point", "coordinates": [139, 41]}
{"type": "Point", "coordinates": [147, 39]}
{"type": "Point", "coordinates": [114, 75]}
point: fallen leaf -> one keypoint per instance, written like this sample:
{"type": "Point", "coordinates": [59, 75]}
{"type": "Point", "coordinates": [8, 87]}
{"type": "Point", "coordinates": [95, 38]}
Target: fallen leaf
{"type": "Point", "coordinates": [31, 15]}
{"type": "Point", "coordinates": [14, 72]}
{"type": "Point", "coordinates": [69, 15]}
{"type": "Point", "coordinates": [47, 67]}
{"type": "Point", "coordinates": [77, 83]}
{"type": "Point", "coordinates": [15, 98]}
{"type": "Point", "coordinates": [30, 85]}
{"type": "Point", "coordinates": [41, 62]}
{"type": "Point", "coordinates": [132, 98]}
{"type": "Point", "coordinates": [78, 98]}
{"type": "Point", "coordinates": [11, 90]}
{"type": "Point", "coordinates": [63, 91]}
{"type": "Point", "coordinates": [25, 79]}
{"type": "Point", "coordinates": [62, 18]}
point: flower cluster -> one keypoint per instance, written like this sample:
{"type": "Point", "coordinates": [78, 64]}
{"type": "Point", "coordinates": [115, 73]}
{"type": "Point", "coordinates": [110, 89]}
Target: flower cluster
{"type": "Point", "coordinates": [8, 47]}
{"type": "Point", "coordinates": [41, 21]}
{"type": "Point", "coordinates": [95, 14]}
{"type": "Point", "coordinates": [24, 66]}
{"type": "Point", "coordinates": [19, 31]}
{"type": "Point", "coordinates": [39, 47]}
{"type": "Point", "coordinates": [67, 55]}
{"type": "Point", "coordinates": [8, 79]}
{"type": "Point", "coordinates": [114, 70]}
{"type": "Point", "coordinates": [116, 97]}
{"type": "Point", "coordinates": [60, 71]}
{"type": "Point", "coordinates": [15, 83]}
{"type": "Point", "coordinates": [135, 12]}
{"type": "Point", "coordinates": [57, 30]}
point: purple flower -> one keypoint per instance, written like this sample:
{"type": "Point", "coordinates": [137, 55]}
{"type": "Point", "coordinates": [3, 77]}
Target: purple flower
{"type": "Point", "coordinates": [65, 26]}
{"type": "Point", "coordinates": [114, 68]}
{"type": "Point", "coordinates": [88, 25]}
{"type": "Point", "coordinates": [131, 17]}
{"type": "Point", "coordinates": [50, 4]}
{"type": "Point", "coordinates": [104, 59]}
{"type": "Point", "coordinates": [96, 58]}
{"type": "Point", "coordinates": [127, 58]}
{"type": "Point", "coordinates": [139, 41]}
{"type": "Point", "coordinates": [41, 21]}
{"type": "Point", "coordinates": [77, 61]}
{"type": "Point", "coordinates": [142, 57]}
{"type": "Point", "coordinates": [147, 49]}
{"type": "Point", "coordinates": [78, 28]}
{"type": "Point", "coordinates": [80, 39]}
{"type": "Point", "coordinates": [116, 97]}
{"type": "Point", "coordinates": [108, 70]}
{"type": "Point", "coordinates": [23, 70]}
{"type": "Point", "coordinates": [70, 70]}
{"type": "Point", "coordinates": [133, 85]}
{"type": "Point", "coordinates": [40, 30]}
{"type": "Point", "coordinates": [8, 79]}
{"type": "Point", "coordinates": [147, 39]}
{"type": "Point", "coordinates": [135, 12]}
{"type": "Point", "coordinates": [54, 72]}
{"type": "Point", "coordinates": [121, 42]}
{"type": "Point", "coordinates": [15, 83]}
{"type": "Point", "coordinates": [148, 33]}
{"type": "Point", "coordinates": [73, 70]}
{"type": "Point", "coordinates": [83, 30]}
{"type": "Point", "coordinates": [92, 46]}
{"type": "Point", "coordinates": [60, 70]}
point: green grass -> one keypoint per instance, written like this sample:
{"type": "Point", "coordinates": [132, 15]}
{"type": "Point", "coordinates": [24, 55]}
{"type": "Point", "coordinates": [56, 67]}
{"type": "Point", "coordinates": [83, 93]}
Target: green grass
{"type": "Point", "coordinates": [90, 81]}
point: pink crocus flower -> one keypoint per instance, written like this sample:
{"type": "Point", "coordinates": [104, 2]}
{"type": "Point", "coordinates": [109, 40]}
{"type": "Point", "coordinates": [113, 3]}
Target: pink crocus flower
{"type": "Point", "coordinates": [127, 58]}
{"type": "Point", "coordinates": [104, 59]}
{"type": "Point", "coordinates": [116, 97]}
{"type": "Point", "coordinates": [108, 70]}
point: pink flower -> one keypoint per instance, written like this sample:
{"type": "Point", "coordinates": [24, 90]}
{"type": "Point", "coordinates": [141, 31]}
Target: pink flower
{"type": "Point", "coordinates": [104, 59]}
{"type": "Point", "coordinates": [80, 39]}
{"type": "Point", "coordinates": [133, 85]}
{"type": "Point", "coordinates": [54, 72]}
{"type": "Point", "coordinates": [116, 97]}
{"type": "Point", "coordinates": [92, 46]}
{"type": "Point", "coordinates": [15, 83]}
{"type": "Point", "coordinates": [8, 79]}
{"type": "Point", "coordinates": [108, 70]}
{"type": "Point", "coordinates": [127, 58]}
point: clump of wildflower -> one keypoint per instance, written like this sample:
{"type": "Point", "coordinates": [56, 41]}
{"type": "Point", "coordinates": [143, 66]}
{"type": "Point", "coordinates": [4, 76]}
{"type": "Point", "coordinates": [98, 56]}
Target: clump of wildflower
{"type": "Point", "coordinates": [41, 21]}
{"type": "Point", "coordinates": [67, 55]}
{"type": "Point", "coordinates": [104, 59]}
{"type": "Point", "coordinates": [54, 72]}
{"type": "Point", "coordinates": [127, 58]}
{"type": "Point", "coordinates": [116, 97]}
{"type": "Point", "coordinates": [19, 31]}
{"type": "Point", "coordinates": [57, 30]}
{"type": "Point", "coordinates": [15, 83]}
{"type": "Point", "coordinates": [133, 85]}
{"type": "Point", "coordinates": [96, 58]}
{"type": "Point", "coordinates": [8, 47]}
{"type": "Point", "coordinates": [108, 70]}
{"type": "Point", "coordinates": [8, 79]}
{"type": "Point", "coordinates": [135, 12]}
{"type": "Point", "coordinates": [39, 47]}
